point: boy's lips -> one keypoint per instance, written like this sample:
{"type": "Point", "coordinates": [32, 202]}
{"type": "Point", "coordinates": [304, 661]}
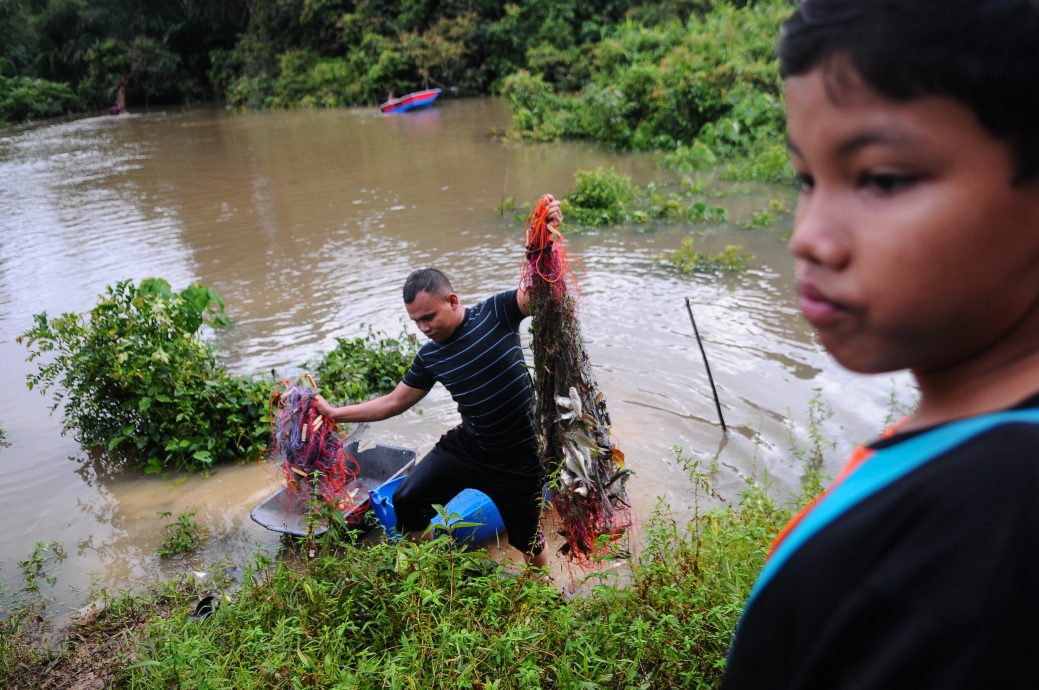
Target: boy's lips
{"type": "Point", "coordinates": [817, 309]}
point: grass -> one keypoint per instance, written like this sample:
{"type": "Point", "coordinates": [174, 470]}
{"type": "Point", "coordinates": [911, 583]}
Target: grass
{"type": "Point", "coordinates": [425, 615]}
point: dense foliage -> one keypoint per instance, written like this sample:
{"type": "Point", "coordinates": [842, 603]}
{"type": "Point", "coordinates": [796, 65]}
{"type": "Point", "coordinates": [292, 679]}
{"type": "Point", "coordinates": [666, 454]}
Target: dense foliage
{"type": "Point", "coordinates": [707, 90]}
{"type": "Point", "coordinates": [360, 367]}
{"type": "Point", "coordinates": [26, 98]}
{"type": "Point", "coordinates": [649, 74]}
{"type": "Point", "coordinates": [73, 53]}
{"type": "Point", "coordinates": [347, 52]}
{"type": "Point", "coordinates": [136, 377]}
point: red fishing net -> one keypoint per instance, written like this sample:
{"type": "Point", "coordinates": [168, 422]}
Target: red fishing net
{"type": "Point", "coordinates": [585, 467]}
{"type": "Point", "coordinates": [311, 448]}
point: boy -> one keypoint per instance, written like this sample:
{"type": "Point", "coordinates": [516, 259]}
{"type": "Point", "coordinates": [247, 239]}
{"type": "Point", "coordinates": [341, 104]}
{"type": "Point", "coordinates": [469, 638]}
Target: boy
{"type": "Point", "coordinates": [913, 126]}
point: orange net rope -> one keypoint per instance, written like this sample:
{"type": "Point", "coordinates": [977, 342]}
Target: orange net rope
{"type": "Point", "coordinates": [585, 467]}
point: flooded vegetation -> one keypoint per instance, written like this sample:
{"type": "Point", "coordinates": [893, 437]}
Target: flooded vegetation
{"type": "Point", "coordinates": [306, 224]}
{"type": "Point", "coordinates": [162, 270]}
{"type": "Point", "coordinates": [275, 242]}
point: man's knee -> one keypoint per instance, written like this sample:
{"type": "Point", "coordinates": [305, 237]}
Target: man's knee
{"type": "Point", "coordinates": [412, 509]}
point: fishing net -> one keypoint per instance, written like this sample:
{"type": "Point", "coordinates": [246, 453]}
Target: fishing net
{"type": "Point", "coordinates": [311, 448]}
{"type": "Point", "coordinates": [585, 468]}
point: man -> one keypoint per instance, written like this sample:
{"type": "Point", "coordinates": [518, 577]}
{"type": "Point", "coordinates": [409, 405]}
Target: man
{"type": "Point", "coordinates": [475, 353]}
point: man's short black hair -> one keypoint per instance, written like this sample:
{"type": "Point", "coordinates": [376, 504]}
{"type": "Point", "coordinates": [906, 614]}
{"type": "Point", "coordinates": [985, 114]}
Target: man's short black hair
{"type": "Point", "coordinates": [981, 53]}
{"type": "Point", "coordinates": [425, 280]}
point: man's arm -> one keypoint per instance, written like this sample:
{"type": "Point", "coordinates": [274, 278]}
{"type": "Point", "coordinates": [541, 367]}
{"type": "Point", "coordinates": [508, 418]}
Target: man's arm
{"type": "Point", "coordinates": [555, 217]}
{"type": "Point", "coordinates": [401, 398]}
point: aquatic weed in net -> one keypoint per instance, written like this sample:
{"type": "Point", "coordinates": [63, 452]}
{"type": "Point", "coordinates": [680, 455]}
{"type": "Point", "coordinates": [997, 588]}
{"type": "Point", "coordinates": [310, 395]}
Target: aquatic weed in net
{"type": "Point", "coordinates": [585, 467]}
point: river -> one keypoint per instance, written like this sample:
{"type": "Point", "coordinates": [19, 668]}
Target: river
{"type": "Point", "coordinates": [307, 223]}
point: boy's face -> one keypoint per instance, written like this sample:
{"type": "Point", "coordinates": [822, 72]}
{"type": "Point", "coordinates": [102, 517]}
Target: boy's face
{"type": "Point", "coordinates": [913, 248]}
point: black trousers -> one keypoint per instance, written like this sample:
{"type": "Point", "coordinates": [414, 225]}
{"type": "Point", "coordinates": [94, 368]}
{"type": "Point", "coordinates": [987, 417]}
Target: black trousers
{"type": "Point", "coordinates": [512, 478]}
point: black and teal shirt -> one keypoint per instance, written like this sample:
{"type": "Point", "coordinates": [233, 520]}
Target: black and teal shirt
{"type": "Point", "coordinates": [919, 570]}
{"type": "Point", "coordinates": [483, 369]}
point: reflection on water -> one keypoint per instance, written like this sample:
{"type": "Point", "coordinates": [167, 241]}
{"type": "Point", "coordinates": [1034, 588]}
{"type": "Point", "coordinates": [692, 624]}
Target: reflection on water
{"type": "Point", "coordinates": [307, 223]}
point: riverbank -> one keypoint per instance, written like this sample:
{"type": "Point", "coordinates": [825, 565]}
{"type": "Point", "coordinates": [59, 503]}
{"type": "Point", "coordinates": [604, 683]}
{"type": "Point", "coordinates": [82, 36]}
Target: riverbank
{"type": "Point", "coordinates": [420, 616]}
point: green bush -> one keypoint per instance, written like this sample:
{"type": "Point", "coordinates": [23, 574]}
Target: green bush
{"type": "Point", "coordinates": [604, 197]}
{"type": "Point", "coordinates": [767, 217]}
{"type": "Point", "coordinates": [23, 99]}
{"type": "Point", "coordinates": [707, 91]}
{"type": "Point", "coordinates": [361, 367]}
{"type": "Point", "coordinates": [136, 377]}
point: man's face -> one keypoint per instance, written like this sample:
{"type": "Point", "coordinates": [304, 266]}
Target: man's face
{"type": "Point", "coordinates": [913, 249]}
{"type": "Point", "coordinates": [437, 316]}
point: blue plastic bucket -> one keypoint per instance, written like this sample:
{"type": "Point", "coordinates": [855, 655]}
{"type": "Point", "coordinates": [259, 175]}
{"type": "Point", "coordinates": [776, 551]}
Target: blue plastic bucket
{"type": "Point", "coordinates": [469, 506]}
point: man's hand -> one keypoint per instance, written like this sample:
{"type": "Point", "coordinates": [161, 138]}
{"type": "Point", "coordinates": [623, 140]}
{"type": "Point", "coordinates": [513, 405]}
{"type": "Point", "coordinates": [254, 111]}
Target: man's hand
{"type": "Point", "coordinates": [555, 213]}
{"type": "Point", "coordinates": [393, 403]}
{"type": "Point", "coordinates": [321, 406]}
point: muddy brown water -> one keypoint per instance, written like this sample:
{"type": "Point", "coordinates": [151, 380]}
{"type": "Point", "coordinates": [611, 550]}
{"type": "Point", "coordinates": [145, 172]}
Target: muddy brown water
{"type": "Point", "coordinates": [307, 223]}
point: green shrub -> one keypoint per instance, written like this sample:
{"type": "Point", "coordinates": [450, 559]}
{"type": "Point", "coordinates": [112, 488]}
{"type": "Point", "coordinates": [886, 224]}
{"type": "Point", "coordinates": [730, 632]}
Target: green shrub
{"type": "Point", "coordinates": [23, 99]}
{"type": "Point", "coordinates": [135, 376]}
{"type": "Point", "coordinates": [602, 197]}
{"type": "Point", "coordinates": [708, 92]}
{"type": "Point", "coordinates": [765, 218]}
{"type": "Point", "coordinates": [361, 367]}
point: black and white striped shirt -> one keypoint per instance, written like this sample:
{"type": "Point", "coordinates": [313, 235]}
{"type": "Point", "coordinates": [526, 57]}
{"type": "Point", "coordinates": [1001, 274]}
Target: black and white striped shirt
{"type": "Point", "coordinates": [483, 369]}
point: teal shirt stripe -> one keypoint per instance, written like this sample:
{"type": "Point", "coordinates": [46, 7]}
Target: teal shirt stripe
{"type": "Point", "coordinates": [881, 469]}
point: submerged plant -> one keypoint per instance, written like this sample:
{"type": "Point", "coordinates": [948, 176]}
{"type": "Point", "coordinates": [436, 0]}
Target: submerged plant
{"type": "Point", "coordinates": [687, 260]}
{"type": "Point", "coordinates": [602, 197]}
{"type": "Point", "coordinates": [765, 218]}
{"type": "Point", "coordinates": [35, 567]}
{"type": "Point", "coordinates": [183, 535]}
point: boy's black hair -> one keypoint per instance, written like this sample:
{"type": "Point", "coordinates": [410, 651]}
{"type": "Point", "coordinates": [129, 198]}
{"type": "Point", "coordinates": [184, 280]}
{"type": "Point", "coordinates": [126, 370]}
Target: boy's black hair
{"type": "Point", "coordinates": [982, 53]}
{"type": "Point", "coordinates": [425, 280]}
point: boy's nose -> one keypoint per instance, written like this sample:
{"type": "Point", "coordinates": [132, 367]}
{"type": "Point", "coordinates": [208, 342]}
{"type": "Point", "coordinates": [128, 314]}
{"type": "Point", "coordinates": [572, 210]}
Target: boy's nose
{"type": "Point", "coordinates": [820, 232]}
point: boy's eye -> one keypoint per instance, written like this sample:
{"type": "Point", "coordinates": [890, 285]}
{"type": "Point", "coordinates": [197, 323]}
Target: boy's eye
{"type": "Point", "coordinates": [886, 183]}
{"type": "Point", "coordinates": [804, 182]}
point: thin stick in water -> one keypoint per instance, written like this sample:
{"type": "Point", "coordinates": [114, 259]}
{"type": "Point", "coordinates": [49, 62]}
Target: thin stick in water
{"type": "Point", "coordinates": [707, 366]}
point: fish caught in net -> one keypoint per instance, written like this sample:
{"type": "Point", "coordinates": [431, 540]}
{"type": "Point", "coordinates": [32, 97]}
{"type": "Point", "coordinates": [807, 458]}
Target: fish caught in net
{"type": "Point", "coordinates": [585, 467]}
{"type": "Point", "coordinates": [311, 449]}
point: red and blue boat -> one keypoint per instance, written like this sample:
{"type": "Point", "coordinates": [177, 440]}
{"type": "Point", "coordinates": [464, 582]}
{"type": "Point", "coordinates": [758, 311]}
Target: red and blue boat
{"type": "Point", "coordinates": [415, 99]}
